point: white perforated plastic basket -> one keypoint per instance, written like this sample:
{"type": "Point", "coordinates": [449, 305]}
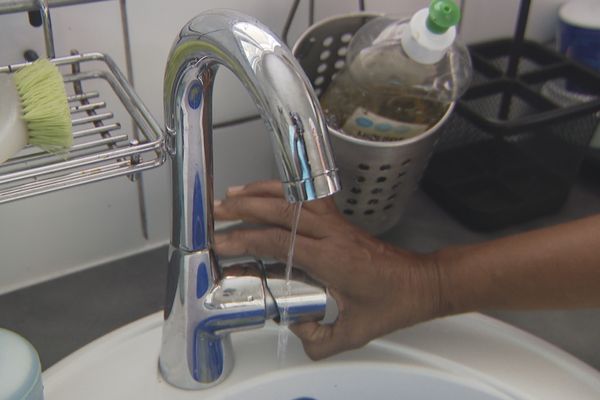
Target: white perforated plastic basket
{"type": "Point", "coordinates": [377, 177]}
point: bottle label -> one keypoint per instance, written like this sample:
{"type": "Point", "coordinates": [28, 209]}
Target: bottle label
{"type": "Point", "coordinates": [368, 125]}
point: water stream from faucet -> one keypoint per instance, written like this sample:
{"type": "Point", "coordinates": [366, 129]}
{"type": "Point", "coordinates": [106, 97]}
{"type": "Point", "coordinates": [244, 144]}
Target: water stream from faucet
{"type": "Point", "coordinates": [283, 334]}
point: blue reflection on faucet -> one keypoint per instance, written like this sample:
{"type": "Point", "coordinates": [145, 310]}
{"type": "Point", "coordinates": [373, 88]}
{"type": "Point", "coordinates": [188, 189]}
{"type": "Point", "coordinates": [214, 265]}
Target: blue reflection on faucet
{"type": "Point", "coordinates": [199, 236]}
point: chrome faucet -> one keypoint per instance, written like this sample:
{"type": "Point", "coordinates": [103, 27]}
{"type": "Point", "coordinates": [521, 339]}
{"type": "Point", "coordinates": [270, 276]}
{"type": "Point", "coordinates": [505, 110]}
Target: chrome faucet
{"type": "Point", "coordinates": [207, 301]}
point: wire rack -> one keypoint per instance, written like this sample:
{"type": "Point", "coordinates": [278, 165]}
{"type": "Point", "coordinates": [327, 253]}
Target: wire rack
{"type": "Point", "coordinates": [101, 149]}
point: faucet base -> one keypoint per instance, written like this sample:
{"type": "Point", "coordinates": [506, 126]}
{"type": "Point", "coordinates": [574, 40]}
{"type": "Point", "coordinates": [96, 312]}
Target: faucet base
{"type": "Point", "coordinates": [205, 308]}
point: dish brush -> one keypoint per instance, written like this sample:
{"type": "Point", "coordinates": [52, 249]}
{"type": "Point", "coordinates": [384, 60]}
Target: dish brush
{"type": "Point", "coordinates": [34, 110]}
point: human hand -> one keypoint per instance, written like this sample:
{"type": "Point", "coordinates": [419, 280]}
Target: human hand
{"type": "Point", "coordinates": [378, 288]}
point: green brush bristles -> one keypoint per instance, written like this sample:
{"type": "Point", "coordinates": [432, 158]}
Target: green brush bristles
{"type": "Point", "coordinates": [45, 106]}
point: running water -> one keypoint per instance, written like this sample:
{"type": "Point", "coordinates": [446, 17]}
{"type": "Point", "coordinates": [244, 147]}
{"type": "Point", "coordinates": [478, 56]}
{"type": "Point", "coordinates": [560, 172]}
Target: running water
{"type": "Point", "coordinates": [283, 334]}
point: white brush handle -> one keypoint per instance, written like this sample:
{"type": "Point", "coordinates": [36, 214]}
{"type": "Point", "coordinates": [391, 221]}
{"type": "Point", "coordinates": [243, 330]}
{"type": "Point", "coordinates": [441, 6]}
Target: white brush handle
{"type": "Point", "coordinates": [13, 131]}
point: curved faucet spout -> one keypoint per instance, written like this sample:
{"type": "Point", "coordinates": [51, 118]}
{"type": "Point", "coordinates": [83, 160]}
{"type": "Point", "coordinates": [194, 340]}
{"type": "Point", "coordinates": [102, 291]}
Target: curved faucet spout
{"type": "Point", "coordinates": [281, 92]}
{"type": "Point", "coordinates": [199, 311]}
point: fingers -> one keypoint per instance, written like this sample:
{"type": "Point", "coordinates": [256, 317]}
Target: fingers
{"type": "Point", "coordinates": [264, 243]}
{"type": "Point", "coordinates": [271, 211]}
{"type": "Point", "coordinates": [322, 206]}
{"type": "Point", "coordinates": [321, 341]}
{"type": "Point", "coordinates": [316, 339]}
{"type": "Point", "coordinates": [274, 243]}
{"type": "Point", "coordinates": [274, 189]}
{"type": "Point", "coordinates": [257, 189]}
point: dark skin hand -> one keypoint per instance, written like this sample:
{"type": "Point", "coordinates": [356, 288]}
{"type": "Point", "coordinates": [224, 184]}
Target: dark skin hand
{"type": "Point", "coordinates": [380, 288]}
{"type": "Point", "coordinates": [349, 262]}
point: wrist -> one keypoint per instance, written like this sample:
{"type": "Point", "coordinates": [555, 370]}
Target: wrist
{"type": "Point", "coordinates": [433, 286]}
{"type": "Point", "coordinates": [453, 290]}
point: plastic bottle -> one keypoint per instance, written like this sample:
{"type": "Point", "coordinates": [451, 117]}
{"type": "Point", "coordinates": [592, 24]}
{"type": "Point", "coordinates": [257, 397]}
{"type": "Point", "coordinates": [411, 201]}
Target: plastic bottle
{"type": "Point", "coordinates": [400, 75]}
{"type": "Point", "coordinates": [20, 369]}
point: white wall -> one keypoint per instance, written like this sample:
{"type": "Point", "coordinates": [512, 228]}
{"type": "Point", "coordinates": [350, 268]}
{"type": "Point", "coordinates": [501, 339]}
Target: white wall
{"type": "Point", "coordinates": [53, 234]}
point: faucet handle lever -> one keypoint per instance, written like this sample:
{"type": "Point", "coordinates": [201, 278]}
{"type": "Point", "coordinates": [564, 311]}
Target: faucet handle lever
{"type": "Point", "coordinates": [300, 299]}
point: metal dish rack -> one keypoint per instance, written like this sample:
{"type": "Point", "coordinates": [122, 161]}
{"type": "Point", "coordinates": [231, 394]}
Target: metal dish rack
{"type": "Point", "coordinates": [100, 149]}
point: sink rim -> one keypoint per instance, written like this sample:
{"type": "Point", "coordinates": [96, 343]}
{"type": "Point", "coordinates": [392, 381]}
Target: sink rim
{"type": "Point", "coordinates": [464, 338]}
{"type": "Point", "coordinates": [413, 371]}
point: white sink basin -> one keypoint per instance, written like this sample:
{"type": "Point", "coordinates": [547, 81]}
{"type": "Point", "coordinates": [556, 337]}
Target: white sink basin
{"type": "Point", "coordinates": [464, 357]}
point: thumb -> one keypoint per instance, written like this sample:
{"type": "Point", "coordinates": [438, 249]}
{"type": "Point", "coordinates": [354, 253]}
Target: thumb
{"type": "Point", "coordinates": [317, 339]}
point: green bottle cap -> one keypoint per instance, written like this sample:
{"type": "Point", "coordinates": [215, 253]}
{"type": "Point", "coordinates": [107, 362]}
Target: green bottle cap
{"type": "Point", "coordinates": [443, 14]}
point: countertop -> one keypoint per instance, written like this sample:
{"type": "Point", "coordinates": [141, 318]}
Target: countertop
{"type": "Point", "coordinates": [62, 315]}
